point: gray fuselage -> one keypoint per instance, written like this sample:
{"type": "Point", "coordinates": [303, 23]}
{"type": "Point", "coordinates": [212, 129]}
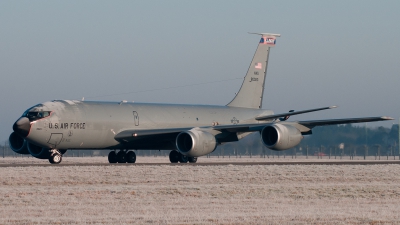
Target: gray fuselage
{"type": "Point", "coordinates": [93, 125]}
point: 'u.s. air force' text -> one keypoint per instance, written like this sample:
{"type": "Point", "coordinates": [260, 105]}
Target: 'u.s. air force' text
{"type": "Point", "coordinates": [75, 126]}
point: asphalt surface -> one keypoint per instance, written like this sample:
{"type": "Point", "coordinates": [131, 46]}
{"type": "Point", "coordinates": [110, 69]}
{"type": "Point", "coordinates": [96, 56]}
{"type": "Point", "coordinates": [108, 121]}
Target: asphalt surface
{"type": "Point", "coordinates": [355, 162]}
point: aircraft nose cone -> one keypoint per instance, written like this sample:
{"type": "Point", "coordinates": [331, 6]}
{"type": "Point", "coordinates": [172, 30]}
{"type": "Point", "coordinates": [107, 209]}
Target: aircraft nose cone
{"type": "Point", "coordinates": [22, 126]}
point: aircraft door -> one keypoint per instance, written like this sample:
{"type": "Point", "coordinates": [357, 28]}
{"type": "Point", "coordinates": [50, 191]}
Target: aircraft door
{"type": "Point", "coordinates": [55, 139]}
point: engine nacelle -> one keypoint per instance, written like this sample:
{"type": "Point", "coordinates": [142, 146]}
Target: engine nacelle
{"type": "Point", "coordinates": [18, 144]}
{"type": "Point", "coordinates": [195, 143]}
{"type": "Point", "coordinates": [280, 136]}
{"type": "Point", "coordinates": [38, 152]}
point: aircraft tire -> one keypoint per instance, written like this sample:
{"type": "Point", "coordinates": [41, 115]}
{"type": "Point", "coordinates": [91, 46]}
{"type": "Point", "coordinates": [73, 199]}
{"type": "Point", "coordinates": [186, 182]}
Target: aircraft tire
{"type": "Point", "coordinates": [121, 157]}
{"type": "Point", "coordinates": [174, 156]}
{"type": "Point", "coordinates": [183, 158]}
{"type": "Point", "coordinates": [192, 159]}
{"type": "Point", "coordinates": [112, 157]}
{"type": "Point", "coordinates": [130, 157]}
{"type": "Point", "coordinates": [55, 158]}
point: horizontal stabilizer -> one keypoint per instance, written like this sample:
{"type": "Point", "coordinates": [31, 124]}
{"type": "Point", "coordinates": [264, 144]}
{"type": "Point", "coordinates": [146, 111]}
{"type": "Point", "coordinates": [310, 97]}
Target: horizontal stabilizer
{"type": "Point", "coordinates": [276, 116]}
{"type": "Point", "coordinates": [266, 34]}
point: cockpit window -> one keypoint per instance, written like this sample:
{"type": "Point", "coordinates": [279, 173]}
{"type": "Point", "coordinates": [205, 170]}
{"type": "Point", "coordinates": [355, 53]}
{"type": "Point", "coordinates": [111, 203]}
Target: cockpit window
{"type": "Point", "coordinates": [31, 108]}
{"type": "Point", "coordinates": [32, 116]}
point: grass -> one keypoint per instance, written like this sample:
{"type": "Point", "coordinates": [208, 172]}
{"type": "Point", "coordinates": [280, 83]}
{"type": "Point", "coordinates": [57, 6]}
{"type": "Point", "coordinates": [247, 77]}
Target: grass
{"type": "Point", "coordinates": [289, 194]}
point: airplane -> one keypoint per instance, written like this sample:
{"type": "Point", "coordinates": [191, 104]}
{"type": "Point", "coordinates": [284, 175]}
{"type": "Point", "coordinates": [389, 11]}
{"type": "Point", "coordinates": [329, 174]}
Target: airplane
{"type": "Point", "coordinates": [49, 129]}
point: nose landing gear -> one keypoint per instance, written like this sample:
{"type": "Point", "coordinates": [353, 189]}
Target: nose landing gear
{"type": "Point", "coordinates": [56, 156]}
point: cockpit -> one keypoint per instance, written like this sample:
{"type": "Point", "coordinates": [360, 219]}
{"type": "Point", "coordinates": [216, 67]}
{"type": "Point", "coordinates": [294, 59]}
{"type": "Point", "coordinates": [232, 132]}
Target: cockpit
{"type": "Point", "coordinates": [32, 116]}
{"type": "Point", "coordinates": [35, 113]}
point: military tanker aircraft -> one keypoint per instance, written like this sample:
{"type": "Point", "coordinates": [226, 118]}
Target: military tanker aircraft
{"type": "Point", "coordinates": [49, 129]}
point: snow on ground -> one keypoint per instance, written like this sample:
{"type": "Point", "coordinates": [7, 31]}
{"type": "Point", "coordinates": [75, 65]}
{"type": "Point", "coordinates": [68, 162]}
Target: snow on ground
{"type": "Point", "coordinates": [230, 194]}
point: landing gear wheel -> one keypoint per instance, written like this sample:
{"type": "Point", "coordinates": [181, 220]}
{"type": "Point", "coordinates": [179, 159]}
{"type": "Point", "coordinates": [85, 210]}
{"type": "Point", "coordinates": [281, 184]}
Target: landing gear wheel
{"type": "Point", "coordinates": [121, 157]}
{"type": "Point", "coordinates": [55, 158]}
{"type": "Point", "coordinates": [174, 156]}
{"type": "Point", "coordinates": [192, 159]}
{"type": "Point", "coordinates": [130, 157]}
{"type": "Point", "coordinates": [112, 157]}
{"type": "Point", "coordinates": [183, 158]}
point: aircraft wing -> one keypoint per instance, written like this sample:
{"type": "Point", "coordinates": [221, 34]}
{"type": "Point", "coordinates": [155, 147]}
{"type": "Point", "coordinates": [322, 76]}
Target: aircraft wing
{"type": "Point", "coordinates": [313, 123]}
{"type": "Point", "coordinates": [303, 126]}
{"type": "Point", "coordinates": [136, 135]}
{"type": "Point", "coordinates": [132, 135]}
{"type": "Point", "coordinates": [171, 133]}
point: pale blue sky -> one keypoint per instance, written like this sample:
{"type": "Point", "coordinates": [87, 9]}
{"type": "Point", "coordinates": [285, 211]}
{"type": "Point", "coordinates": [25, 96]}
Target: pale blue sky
{"type": "Point", "coordinates": [342, 53]}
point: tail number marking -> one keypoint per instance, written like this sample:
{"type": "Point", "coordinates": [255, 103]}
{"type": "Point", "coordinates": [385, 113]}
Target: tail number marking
{"type": "Point", "coordinates": [253, 79]}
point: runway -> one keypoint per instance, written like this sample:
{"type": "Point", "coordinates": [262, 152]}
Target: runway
{"type": "Point", "coordinates": [355, 162]}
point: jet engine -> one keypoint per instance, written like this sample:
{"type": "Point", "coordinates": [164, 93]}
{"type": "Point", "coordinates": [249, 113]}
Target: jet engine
{"type": "Point", "coordinates": [195, 143]}
{"type": "Point", "coordinates": [280, 136]}
{"type": "Point", "coordinates": [18, 144]}
{"type": "Point", "coordinates": [38, 152]}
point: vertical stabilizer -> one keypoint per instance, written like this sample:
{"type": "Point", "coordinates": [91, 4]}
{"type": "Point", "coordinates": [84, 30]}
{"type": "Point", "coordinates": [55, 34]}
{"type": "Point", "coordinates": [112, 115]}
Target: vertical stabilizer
{"type": "Point", "coordinates": [251, 92]}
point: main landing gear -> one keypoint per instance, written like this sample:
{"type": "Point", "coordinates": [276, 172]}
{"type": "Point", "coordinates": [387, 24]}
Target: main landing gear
{"type": "Point", "coordinates": [175, 157]}
{"type": "Point", "coordinates": [122, 157]}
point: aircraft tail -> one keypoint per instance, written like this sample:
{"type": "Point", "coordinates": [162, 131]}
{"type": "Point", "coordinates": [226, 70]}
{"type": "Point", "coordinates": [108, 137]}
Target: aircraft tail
{"type": "Point", "coordinates": [251, 92]}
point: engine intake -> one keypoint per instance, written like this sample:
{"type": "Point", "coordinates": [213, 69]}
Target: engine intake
{"type": "Point", "coordinates": [195, 143]}
{"type": "Point", "coordinates": [280, 136]}
{"type": "Point", "coordinates": [38, 152]}
{"type": "Point", "coordinates": [18, 144]}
